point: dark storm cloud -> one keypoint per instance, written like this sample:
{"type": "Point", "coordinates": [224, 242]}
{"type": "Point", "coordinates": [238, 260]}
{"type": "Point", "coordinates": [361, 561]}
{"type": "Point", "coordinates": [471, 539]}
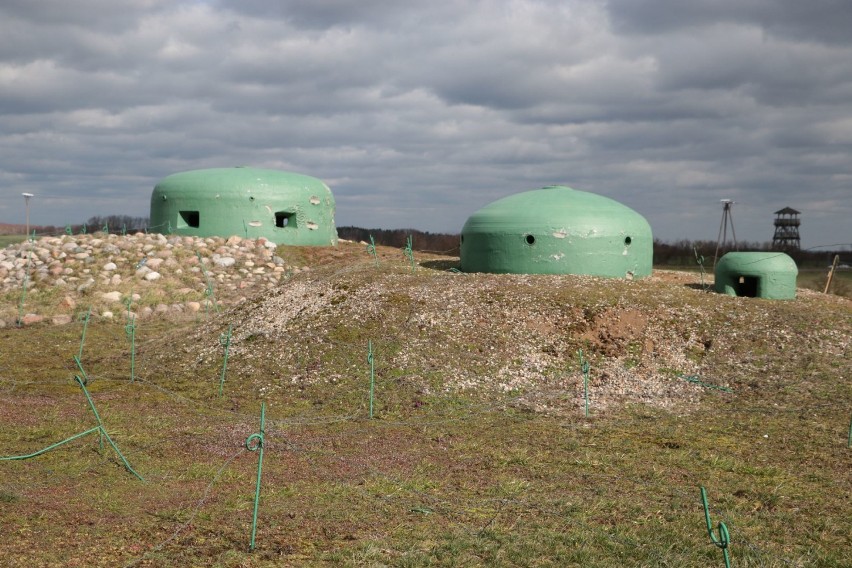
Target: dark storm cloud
{"type": "Point", "coordinates": [320, 14]}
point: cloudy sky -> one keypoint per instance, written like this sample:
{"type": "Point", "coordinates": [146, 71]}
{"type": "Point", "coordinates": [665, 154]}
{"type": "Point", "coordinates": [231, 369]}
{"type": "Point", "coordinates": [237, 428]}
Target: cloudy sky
{"type": "Point", "coordinates": [418, 116]}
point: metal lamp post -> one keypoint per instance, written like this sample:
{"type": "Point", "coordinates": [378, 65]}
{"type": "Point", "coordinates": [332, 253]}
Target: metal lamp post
{"type": "Point", "coordinates": [27, 199]}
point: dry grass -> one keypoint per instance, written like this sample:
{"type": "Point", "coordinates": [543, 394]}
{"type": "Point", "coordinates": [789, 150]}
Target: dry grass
{"type": "Point", "coordinates": [479, 453]}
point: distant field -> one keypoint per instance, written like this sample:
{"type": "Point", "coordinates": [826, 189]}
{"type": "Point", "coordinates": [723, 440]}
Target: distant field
{"type": "Point", "coordinates": [810, 278]}
{"type": "Point", "coordinates": [815, 280]}
{"type": "Point", "coordinates": [6, 240]}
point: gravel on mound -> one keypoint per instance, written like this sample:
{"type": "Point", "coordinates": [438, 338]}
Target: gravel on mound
{"type": "Point", "coordinates": [515, 335]}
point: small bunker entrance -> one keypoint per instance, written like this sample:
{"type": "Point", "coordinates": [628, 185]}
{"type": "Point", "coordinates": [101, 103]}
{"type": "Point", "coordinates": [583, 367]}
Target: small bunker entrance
{"type": "Point", "coordinates": [748, 286]}
{"type": "Point", "coordinates": [770, 275]}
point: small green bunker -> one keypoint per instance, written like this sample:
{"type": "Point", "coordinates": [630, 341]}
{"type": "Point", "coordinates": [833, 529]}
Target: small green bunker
{"type": "Point", "coordinates": [282, 207]}
{"type": "Point", "coordinates": [557, 230]}
{"type": "Point", "coordinates": [770, 275]}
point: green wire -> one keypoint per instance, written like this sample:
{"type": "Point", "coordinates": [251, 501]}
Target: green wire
{"type": "Point", "coordinates": [696, 381]}
{"type": "Point", "coordinates": [99, 428]}
{"type": "Point", "coordinates": [56, 445]}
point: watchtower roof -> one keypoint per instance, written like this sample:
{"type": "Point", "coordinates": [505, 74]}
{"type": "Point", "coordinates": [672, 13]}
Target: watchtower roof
{"type": "Point", "coordinates": [787, 211]}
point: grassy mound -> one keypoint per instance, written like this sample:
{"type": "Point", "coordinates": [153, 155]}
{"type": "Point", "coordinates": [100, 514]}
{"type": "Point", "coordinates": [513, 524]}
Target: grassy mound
{"type": "Point", "coordinates": [479, 451]}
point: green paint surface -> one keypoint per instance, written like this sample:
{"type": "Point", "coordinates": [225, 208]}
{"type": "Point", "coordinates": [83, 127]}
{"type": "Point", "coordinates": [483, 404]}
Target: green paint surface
{"type": "Point", "coordinates": [285, 208]}
{"type": "Point", "coordinates": [770, 275]}
{"type": "Point", "coordinates": [557, 230]}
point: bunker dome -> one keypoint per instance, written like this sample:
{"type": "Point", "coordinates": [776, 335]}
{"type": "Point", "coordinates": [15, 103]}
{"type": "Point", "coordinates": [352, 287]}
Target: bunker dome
{"type": "Point", "coordinates": [770, 275]}
{"type": "Point", "coordinates": [557, 230]}
{"type": "Point", "coordinates": [285, 208]}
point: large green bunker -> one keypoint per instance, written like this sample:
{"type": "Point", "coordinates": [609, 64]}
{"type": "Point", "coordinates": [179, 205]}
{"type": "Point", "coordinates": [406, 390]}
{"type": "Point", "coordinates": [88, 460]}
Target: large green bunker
{"type": "Point", "coordinates": [285, 208]}
{"type": "Point", "coordinates": [557, 230]}
{"type": "Point", "coordinates": [770, 275]}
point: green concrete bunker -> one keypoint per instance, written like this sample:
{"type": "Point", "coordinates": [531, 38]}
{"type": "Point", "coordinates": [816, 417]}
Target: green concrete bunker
{"type": "Point", "coordinates": [283, 207]}
{"type": "Point", "coordinates": [770, 275]}
{"type": "Point", "coordinates": [557, 230]}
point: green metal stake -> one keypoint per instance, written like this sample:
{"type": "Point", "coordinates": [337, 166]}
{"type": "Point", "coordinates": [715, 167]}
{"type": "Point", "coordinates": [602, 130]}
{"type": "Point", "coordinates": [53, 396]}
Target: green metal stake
{"type": "Point", "coordinates": [130, 330]}
{"type": "Point", "coordinates": [83, 229]}
{"type": "Point", "coordinates": [371, 248]}
{"type": "Point", "coordinates": [372, 374]}
{"type": "Point", "coordinates": [225, 341]}
{"type": "Point", "coordinates": [255, 443]}
{"type": "Point", "coordinates": [85, 381]}
{"type": "Point", "coordinates": [24, 291]}
{"type": "Point", "coordinates": [584, 366]}
{"type": "Point", "coordinates": [724, 538]}
{"type": "Point", "coordinates": [699, 259]}
{"type": "Point", "coordinates": [849, 440]}
{"type": "Point", "coordinates": [85, 327]}
{"type": "Point", "coordinates": [68, 230]}
{"type": "Point", "coordinates": [209, 290]}
{"type": "Point", "coordinates": [409, 252]}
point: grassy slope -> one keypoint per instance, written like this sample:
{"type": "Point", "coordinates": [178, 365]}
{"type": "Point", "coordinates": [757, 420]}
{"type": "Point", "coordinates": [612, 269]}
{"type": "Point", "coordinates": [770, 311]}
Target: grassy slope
{"type": "Point", "coordinates": [447, 479]}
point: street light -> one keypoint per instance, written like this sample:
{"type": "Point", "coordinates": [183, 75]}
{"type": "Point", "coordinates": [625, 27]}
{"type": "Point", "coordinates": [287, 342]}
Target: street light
{"type": "Point", "coordinates": [27, 199]}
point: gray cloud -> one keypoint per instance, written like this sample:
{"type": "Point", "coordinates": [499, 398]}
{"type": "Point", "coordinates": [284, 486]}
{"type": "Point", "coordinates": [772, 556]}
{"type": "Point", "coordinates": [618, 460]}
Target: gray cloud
{"type": "Point", "coordinates": [822, 21]}
{"type": "Point", "coordinates": [416, 117]}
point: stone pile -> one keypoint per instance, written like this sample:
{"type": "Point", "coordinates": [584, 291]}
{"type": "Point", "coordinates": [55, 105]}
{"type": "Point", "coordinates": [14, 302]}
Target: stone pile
{"type": "Point", "coordinates": [55, 278]}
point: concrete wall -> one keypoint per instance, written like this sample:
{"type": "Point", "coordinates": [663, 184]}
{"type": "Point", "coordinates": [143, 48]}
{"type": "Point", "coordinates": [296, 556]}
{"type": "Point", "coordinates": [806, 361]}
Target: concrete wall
{"type": "Point", "coordinates": [285, 208]}
{"type": "Point", "coordinates": [770, 275]}
{"type": "Point", "coordinates": [557, 230]}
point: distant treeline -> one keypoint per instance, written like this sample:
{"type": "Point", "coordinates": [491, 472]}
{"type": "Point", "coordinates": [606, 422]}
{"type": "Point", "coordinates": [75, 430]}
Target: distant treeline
{"type": "Point", "coordinates": [423, 241]}
{"type": "Point", "coordinates": [683, 252]}
{"type": "Point", "coordinates": [676, 253]}
{"type": "Point", "coordinates": [117, 224]}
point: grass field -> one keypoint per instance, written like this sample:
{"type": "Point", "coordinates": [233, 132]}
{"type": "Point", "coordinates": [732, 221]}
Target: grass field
{"type": "Point", "coordinates": [810, 278]}
{"type": "Point", "coordinates": [437, 478]}
{"type": "Point", "coordinates": [815, 279]}
{"type": "Point", "coordinates": [6, 240]}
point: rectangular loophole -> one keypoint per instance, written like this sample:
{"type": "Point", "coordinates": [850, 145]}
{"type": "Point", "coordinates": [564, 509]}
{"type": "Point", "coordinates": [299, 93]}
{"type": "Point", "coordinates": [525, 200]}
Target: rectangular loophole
{"type": "Point", "coordinates": [285, 219]}
{"type": "Point", "coordinates": [188, 219]}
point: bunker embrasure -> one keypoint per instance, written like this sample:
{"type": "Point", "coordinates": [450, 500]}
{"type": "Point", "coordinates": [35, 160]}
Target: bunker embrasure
{"type": "Point", "coordinates": [283, 207]}
{"type": "Point", "coordinates": [557, 230]}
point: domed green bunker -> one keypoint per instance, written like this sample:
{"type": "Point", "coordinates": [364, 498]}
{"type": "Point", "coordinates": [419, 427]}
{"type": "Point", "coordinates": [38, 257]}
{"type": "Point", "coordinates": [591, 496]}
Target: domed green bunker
{"type": "Point", "coordinates": [285, 208]}
{"type": "Point", "coordinates": [557, 230]}
{"type": "Point", "coordinates": [770, 275]}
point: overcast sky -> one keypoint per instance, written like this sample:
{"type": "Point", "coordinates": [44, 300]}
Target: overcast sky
{"type": "Point", "coordinates": [419, 116]}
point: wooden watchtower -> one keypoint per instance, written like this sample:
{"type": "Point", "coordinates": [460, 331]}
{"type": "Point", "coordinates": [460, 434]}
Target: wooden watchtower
{"type": "Point", "coordinates": [786, 229]}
